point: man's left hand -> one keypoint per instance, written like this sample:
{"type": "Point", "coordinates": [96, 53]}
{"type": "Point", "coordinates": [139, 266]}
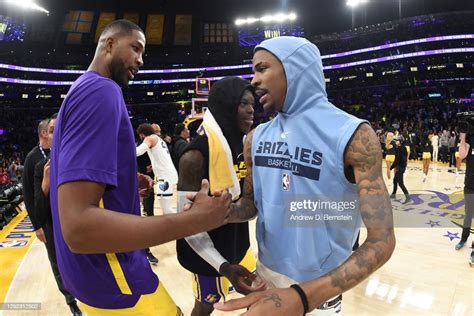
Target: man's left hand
{"type": "Point", "coordinates": [241, 278]}
{"type": "Point", "coordinates": [145, 185]}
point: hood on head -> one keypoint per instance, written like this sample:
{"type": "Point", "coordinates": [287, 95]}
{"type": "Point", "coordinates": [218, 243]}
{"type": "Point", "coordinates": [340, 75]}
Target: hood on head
{"type": "Point", "coordinates": [303, 67]}
{"type": "Point", "coordinates": [223, 102]}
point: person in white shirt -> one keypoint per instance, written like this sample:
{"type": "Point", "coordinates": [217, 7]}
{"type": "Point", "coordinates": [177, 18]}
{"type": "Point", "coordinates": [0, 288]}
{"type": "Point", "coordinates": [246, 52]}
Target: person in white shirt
{"type": "Point", "coordinates": [166, 175]}
{"type": "Point", "coordinates": [435, 144]}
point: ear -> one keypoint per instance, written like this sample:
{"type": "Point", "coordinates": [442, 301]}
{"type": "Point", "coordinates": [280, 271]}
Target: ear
{"type": "Point", "coordinates": [109, 44]}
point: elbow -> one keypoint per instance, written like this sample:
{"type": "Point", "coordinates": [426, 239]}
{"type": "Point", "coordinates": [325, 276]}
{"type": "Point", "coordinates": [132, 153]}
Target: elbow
{"type": "Point", "coordinates": [74, 237]}
{"type": "Point", "coordinates": [390, 247]}
{"type": "Point", "coordinates": [75, 243]}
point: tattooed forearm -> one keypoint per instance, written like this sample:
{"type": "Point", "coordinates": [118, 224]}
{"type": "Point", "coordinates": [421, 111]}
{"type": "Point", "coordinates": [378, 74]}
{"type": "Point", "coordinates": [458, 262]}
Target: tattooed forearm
{"type": "Point", "coordinates": [244, 209]}
{"type": "Point", "coordinates": [364, 155]}
{"type": "Point", "coordinates": [364, 261]}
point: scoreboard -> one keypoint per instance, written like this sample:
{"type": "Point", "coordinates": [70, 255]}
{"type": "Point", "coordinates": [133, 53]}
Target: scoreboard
{"type": "Point", "coordinates": [203, 85]}
{"type": "Point", "coordinates": [254, 35]}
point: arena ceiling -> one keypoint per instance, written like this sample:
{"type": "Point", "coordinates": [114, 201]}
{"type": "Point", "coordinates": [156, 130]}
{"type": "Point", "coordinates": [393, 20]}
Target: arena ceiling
{"type": "Point", "coordinates": [318, 16]}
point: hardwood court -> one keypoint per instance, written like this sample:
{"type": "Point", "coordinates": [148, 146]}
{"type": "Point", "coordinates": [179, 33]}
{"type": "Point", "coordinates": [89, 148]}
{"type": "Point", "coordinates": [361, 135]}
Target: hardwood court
{"type": "Point", "coordinates": [425, 275]}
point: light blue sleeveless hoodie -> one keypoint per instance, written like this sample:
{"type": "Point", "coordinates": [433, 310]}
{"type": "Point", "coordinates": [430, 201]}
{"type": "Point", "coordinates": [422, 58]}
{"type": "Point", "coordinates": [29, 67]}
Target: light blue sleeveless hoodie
{"type": "Point", "coordinates": [300, 154]}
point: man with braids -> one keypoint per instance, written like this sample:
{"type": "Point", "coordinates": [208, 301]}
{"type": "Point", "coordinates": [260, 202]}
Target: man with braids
{"type": "Point", "coordinates": [310, 152]}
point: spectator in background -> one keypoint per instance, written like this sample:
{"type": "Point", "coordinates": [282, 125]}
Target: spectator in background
{"type": "Point", "coordinates": [12, 172]}
{"type": "Point", "coordinates": [444, 140]}
{"type": "Point", "coordinates": [452, 149]}
{"type": "Point", "coordinates": [400, 165]}
{"type": "Point", "coordinates": [37, 154]}
{"type": "Point", "coordinates": [435, 144]}
{"type": "Point", "coordinates": [179, 143]}
{"type": "Point", "coordinates": [43, 211]}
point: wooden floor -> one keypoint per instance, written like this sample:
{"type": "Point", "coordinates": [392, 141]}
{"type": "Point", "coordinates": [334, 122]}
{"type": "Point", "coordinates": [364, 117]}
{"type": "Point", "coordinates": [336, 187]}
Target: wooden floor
{"type": "Point", "coordinates": [425, 275]}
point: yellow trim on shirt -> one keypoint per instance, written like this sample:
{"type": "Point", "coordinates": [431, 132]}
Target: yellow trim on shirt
{"type": "Point", "coordinates": [118, 273]}
{"type": "Point", "coordinates": [116, 268]}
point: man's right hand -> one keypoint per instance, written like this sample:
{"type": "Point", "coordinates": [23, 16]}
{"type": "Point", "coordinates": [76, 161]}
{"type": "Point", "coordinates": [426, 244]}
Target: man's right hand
{"type": "Point", "coordinates": [215, 209]}
{"type": "Point", "coordinates": [40, 235]}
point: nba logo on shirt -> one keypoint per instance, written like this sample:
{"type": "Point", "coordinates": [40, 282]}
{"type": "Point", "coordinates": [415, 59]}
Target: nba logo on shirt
{"type": "Point", "coordinates": [285, 182]}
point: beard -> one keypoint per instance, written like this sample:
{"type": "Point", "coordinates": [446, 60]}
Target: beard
{"type": "Point", "coordinates": [119, 72]}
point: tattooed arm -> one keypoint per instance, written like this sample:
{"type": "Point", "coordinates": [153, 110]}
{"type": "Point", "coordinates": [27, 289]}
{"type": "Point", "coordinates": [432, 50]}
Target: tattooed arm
{"type": "Point", "coordinates": [244, 209]}
{"type": "Point", "coordinates": [364, 157]}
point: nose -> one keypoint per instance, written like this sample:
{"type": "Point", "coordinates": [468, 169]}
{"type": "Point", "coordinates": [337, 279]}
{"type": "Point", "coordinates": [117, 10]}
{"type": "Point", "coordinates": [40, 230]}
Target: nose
{"type": "Point", "coordinates": [251, 109]}
{"type": "Point", "coordinates": [255, 80]}
{"type": "Point", "coordinates": [140, 60]}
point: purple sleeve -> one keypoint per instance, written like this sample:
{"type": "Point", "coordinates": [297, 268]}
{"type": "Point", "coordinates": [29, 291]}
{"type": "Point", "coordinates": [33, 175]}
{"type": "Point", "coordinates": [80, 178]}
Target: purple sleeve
{"type": "Point", "coordinates": [89, 135]}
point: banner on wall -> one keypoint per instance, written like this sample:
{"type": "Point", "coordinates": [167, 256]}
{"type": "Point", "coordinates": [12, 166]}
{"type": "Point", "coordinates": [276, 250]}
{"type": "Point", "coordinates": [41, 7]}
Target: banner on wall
{"type": "Point", "coordinates": [154, 29]}
{"type": "Point", "coordinates": [183, 30]}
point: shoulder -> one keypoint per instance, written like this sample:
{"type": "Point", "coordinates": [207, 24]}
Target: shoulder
{"type": "Point", "coordinates": [364, 146]}
{"type": "Point", "coordinates": [249, 137]}
{"type": "Point", "coordinates": [30, 156]}
{"type": "Point", "coordinates": [152, 140]}
{"type": "Point", "coordinates": [93, 89]}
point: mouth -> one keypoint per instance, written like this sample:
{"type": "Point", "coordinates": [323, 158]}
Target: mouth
{"type": "Point", "coordinates": [132, 72]}
{"type": "Point", "coordinates": [262, 95]}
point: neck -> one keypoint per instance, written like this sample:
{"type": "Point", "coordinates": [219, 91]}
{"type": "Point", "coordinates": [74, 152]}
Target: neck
{"type": "Point", "coordinates": [43, 143]}
{"type": "Point", "coordinates": [100, 67]}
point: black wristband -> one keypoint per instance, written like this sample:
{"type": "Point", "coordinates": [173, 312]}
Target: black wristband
{"type": "Point", "coordinates": [303, 297]}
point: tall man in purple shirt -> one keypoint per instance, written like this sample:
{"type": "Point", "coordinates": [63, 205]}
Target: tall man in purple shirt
{"type": "Point", "coordinates": [95, 190]}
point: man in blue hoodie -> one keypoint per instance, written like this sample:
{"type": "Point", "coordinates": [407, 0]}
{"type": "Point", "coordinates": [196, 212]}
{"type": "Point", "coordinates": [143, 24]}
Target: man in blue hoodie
{"type": "Point", "coordinates": [310, 153]}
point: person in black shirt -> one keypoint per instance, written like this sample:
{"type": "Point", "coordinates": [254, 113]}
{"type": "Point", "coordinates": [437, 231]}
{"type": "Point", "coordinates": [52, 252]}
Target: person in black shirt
{"type": "Point", "coordinates": [466, 150]}
{"type": "Point", "coordinates": [179, 143]}
{"type": "Point", "coordinates": [37, 154]}
{"type": "Point", "coordinates": [42, 208]}
{"type": "Point", "coordinates": [217, 253]}
{"type": "Point", "coordinates": [400, 165]}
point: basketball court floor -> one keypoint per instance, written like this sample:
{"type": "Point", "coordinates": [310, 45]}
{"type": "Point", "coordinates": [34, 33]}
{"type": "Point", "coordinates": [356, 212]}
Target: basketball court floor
{"type": "Point", "coordinates": [425, 276]}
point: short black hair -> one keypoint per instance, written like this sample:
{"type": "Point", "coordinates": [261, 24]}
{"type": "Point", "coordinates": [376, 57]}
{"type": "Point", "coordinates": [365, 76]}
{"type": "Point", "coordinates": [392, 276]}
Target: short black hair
{"type": "Point", "coordinates": [123, 25]}
{"type": "Point", "coordinates": [54, 116]}
{"type": "Point", "coordinates": [179, 128]}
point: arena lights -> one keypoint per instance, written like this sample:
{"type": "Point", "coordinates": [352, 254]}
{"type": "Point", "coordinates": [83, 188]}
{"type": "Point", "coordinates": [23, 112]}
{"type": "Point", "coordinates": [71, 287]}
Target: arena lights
{"type": "Point", "coordinates": [248, 76]}
{"type": "Point", "coordinates": [27, 4]}
{"type": "Point", "coordinates": [355, 3]}
{"type": "Point", "coordinates": [269, 18]}
{"type": "Point", "coordinates": [243, 66]}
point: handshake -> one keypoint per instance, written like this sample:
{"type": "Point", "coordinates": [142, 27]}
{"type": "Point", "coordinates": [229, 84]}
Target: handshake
{"type": "Point", "coordinates": [210, 211]}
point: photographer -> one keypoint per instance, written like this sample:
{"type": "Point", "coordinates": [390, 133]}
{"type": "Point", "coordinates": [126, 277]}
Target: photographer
{"type": "Point", "coordinates": [466, 151]}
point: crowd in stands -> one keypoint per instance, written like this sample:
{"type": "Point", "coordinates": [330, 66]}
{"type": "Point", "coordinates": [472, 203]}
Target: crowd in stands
{"type": "Point", "coordinates": [394, 98]}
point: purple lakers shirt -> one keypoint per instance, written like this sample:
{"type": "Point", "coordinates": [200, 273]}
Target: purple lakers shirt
{"type": "Point", "coordinates": [94, 141]}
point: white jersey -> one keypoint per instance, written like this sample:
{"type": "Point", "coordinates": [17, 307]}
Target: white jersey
{"type": "Point", "coordinates": [161, 162]}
